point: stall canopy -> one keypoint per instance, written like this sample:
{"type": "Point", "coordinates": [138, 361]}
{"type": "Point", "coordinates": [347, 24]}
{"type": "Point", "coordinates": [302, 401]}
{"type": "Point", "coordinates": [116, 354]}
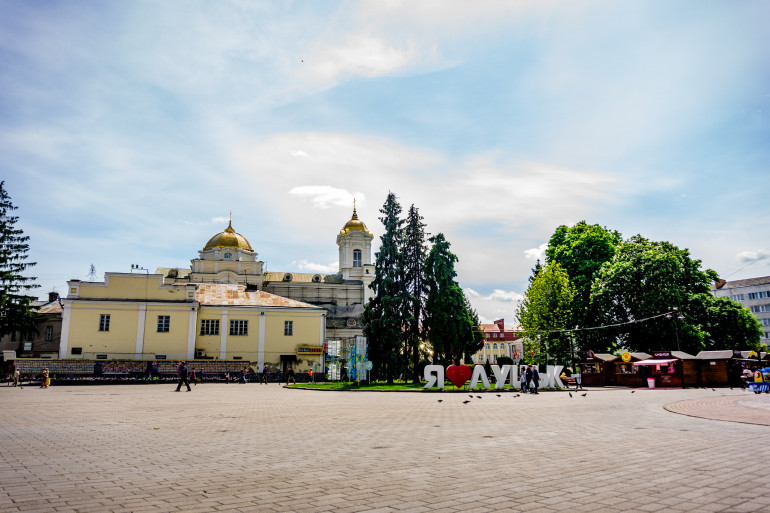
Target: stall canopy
{"type": "Point", "coordinates": [655, 362]}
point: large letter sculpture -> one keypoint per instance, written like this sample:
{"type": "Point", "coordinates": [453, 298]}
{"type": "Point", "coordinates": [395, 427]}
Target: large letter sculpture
{"type": "Point", "coordinates": [434, 374]}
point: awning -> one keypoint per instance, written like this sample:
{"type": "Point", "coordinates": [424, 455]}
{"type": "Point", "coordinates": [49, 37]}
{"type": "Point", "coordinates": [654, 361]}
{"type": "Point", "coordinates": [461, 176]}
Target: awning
{"type": "Point", "coordinates": [655, 362]}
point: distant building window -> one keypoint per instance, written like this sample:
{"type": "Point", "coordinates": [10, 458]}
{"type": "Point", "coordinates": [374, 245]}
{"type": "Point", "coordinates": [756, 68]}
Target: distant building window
{"type": "Point", "coordinates": [210, 327]}
{"type": "Point", "coordinates": [49, 332]}
{"type": "Point", "coordinates": [228, 256]}
{"type": "Point", "coordinates": [758, 295]}
{"type": "Point", "coordinates": [356, 258]}
{"type": "Point", "coordinates": [494, 346]}
{"type": "Point", "coordinates": [104, 322]}
{"type": "Point", "coordinates": [28, 346]}
{"type": "Point", "coordinates": [76, 350]}
{"type": "Point", "coordinates": [239, 327]}
{"type": "Point", "coordinates": [30, 336]}
{"type": "Point", "coordinates": [738, 297]}
{"type": "Point", "coordinates": [765, 322]}
{"type": "Point", "coordinates": [288, 328]}
{"type": "Point", "coordinates": [760, 309]}
{"type": "Point", "coordinates": [164, 322]}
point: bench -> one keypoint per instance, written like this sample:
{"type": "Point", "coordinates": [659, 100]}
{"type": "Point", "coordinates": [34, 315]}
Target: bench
{"type": "Point", "coordinates": [571, 381]}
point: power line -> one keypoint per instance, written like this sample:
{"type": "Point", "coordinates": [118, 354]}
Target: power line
{"type": "Point", "coordinates": [597, 327]}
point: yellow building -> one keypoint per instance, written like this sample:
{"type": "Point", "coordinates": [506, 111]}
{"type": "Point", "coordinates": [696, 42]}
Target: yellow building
{"type": "Point", "coordinates": [229, 258]}
{"type": "Point", "coordinates": [138, 316]}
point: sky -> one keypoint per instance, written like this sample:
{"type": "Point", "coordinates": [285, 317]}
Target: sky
{"type": "Point", "coordinates": [131, 131]}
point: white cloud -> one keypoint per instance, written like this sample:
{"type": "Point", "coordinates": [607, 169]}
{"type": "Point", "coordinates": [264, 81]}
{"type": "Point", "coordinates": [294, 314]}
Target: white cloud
{"type": "Point", "coordinates": [753, 256]}
{"type": "Point", "coordinates": [537, 253]}
{"type": "Point", "coordinates": [220, 220]}
{"type": "Point", "coordinates": [500, 304]}
{"type": "Point", "coordinates": [331, 268]}
{"type": "Point", "coordinates": [359, 55]}
{"type": "Point", "coordinates": [325, 196]}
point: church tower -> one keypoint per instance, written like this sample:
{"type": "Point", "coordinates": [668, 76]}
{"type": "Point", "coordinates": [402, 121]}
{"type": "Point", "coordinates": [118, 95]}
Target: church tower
{"type": "Point", "coordinates": [355, 247]}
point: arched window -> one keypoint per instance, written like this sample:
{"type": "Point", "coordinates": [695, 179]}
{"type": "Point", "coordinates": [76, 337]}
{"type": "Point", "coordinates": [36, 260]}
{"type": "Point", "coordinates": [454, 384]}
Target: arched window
{"type": "Point", "coordinates": [228, 256]}
{"type": "Point", "coordinates": [356, 258]}
{"type": "Point", "coordinates": [494, 347]}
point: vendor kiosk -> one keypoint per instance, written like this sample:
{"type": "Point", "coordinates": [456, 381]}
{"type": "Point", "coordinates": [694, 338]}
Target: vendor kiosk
{"type": "Point", "coordinates": [596, 369]}
{"type": "Point", "coordinates": [669, 369]}
{"type": "Point", "coordinates": [628, 375]}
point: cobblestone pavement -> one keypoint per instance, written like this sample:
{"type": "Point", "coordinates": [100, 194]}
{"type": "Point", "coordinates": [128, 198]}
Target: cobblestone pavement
{"type": "Point", "coordinates": [265, 448]}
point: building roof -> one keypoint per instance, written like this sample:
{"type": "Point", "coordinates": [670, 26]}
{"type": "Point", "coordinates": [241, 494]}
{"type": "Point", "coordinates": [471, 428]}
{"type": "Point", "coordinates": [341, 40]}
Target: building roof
{"type": "Point", "coordinates": [355, 224]}
{"type": "Point", "coordinates": [749, 282]}
{"type": "Point", "coordinates": [303, 277]}
{"type": "Point", "coordinates": [47, 307]}
{"type": "Point", "coordinates": [489, 327]}
{"type": "Point", "coordinates": [228, 239]}
{"type": "Point", "coordinates": [216, 294]}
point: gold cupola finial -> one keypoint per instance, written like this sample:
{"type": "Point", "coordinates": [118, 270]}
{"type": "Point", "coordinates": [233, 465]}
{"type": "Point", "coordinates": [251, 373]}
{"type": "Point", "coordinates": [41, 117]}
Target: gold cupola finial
{"type": "Point", "coordinates": [355, 223]}
{"type": "Point", "coordinates": [228, 239]}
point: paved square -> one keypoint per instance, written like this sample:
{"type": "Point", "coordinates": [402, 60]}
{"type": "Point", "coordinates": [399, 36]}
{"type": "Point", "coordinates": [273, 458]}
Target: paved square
{"type": "Point", "coordinates": [252, 447]}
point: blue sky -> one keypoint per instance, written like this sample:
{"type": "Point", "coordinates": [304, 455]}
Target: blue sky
{"type": "Point", "coordinates": [130, 130]}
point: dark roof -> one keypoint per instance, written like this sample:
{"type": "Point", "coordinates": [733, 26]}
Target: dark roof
{"type": "Point", "coordinates": [749, 282]}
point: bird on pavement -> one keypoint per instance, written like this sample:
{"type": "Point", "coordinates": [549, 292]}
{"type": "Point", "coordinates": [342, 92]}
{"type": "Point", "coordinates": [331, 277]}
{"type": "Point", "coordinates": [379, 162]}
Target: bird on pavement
{"type": "Point", "coordinates": [440, 400]}
{"type": "Point", "coordinates": [478, 397]}
{"type": "Point", "coordinates": [633, 391]}
{"type": "Point", "coordinates": [466, 401]}
{"type": "Point", "coordinates": [570, 394]}
{"type": "Point", "coordinates": [498, 395]}
{"type": "Point", "coordinates": [583, 395]}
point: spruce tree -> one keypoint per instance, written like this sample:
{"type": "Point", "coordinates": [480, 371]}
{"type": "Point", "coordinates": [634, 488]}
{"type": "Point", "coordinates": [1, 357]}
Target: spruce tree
{"type": "Point", "coordinates": [414, 252]}
{"type": "Point", "coordinates": [15, 314]}
{"type": "Point", "coordinates": [384, 314]}
{"type": "Point", "coordinates": [447, 320]}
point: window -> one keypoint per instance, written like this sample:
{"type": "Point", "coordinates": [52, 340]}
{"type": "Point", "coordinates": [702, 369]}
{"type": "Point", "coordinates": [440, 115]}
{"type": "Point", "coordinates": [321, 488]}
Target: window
{"type": "Point", "coordinates": [49, 332]}
{"type": "Point", "coordinates": [765, 322]}
{"type": "Point", "coordinates": [28, 346]}
{"type": "Point", "coordinates": [164, 321]}
{"type": "Point", "coordinates": [738, 297]}
{"type": "Point", "coordinates": [239, 327]}
{"type": "Point", "coordinates": [288, 328]}
{"type": "Point", "coordinates": [758, 295]}
{"type": "Point", "coordinates": [356, 258]}
{"type": "Point", "coordinates": [494, 346]}
{"type": "Point", "coordinates": [228, 256]}
{"type": "Point", "coordinates": [76, 350]}
{"type": "Point", "coordinates": [761, 308]}
{"type": "Point", "coordinates": [210, 327]}
{"type": "Point", "coordinates": [104, 322]}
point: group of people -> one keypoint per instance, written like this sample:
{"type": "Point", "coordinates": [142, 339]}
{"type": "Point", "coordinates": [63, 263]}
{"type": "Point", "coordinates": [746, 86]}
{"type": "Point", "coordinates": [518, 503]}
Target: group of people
{"type": "Point", "coordinates": [185, 376]}
{"type": "Point", "coordinates": [530, 379]}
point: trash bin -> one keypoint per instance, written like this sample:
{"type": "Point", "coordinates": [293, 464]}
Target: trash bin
{"type": "Point", "coordinates": [650, 382]}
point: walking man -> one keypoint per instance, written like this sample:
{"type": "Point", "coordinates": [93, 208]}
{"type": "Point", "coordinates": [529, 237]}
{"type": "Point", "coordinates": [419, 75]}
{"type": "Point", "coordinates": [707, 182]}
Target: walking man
{"type": "Point", "coordinates": [182, 372]}
{"type": "Point", "coordinates": [535, 379]}
{"type": "Point", "coordinates": [528, 375]}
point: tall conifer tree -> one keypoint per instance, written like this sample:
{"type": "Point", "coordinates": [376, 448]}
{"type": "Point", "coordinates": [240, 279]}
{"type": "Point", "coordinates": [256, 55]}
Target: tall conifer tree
{"type": "Point", "coordinates": [385, 312]}
{"type": "Point", "coordinates": [414, 252]}
{"type": "Point", "coordinates": [15, 314]}
{"type": "Point", "coordinates": [447, 320]}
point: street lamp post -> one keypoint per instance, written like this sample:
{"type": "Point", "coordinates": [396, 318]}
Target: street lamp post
{"type": "Point", "coordinates": [676, 316]}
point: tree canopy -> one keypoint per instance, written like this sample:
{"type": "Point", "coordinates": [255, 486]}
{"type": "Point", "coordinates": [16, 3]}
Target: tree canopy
{"type": "Point", "coordinates": [15, 314]}
{"type": "Point", "coordinates": [545, 314]}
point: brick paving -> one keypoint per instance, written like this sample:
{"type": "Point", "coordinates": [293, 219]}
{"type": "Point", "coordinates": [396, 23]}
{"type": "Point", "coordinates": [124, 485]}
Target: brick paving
{"type": "Point", "coordinates": [266, 448]}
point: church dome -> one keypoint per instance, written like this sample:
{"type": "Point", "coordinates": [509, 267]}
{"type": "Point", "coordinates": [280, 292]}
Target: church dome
{"type": "Point", "coordinates": [355, 224]}
{"type": "Point", "coordinates": [228, 239]}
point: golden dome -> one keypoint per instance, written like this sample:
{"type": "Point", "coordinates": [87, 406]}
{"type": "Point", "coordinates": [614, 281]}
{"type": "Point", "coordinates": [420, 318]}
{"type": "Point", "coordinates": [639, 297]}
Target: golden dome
{"type": "Point", "coordinates": [355, 224]}
{"type": "Point", "coordinates": [228, 239]}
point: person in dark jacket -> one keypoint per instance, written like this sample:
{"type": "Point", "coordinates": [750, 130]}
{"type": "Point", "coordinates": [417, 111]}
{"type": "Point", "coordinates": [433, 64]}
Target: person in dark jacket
{"type": "Point", "coordinates": [535, 380]}
{"type": "Point", "coordinates": [528, 375]}
{"type": "Point", "coordinates": [182, 373]}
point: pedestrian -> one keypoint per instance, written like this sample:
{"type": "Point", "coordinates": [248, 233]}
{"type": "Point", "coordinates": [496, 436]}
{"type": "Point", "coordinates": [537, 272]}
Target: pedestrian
{"type": "Point", "coordinates": [523, 379]}
{"type": "Point", "coordinates": [46, 380]}
{"type": "Point", "coordinates": [16, 375]}
{"type": "Point", "coordinates": [535, 379]}
{"type": "Point", "coordinates": [245, 375]}
{"type": "Point", "coordinates": [264, 374]}
{"type": "Point", "coordinates": [182, 373]}
{"type": "Point", "coordinates": [290, 376]}
{"type": "Point", "coordinates": [227, 377]}
{"type": "Point", "coordinates": [193, 378]}
{"type": "Point", "coordinates": [528, 378]}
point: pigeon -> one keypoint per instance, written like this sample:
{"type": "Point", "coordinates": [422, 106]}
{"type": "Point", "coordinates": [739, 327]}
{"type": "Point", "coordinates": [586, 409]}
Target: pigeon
{"type": "Point", "coordinates": [478, 397]}
{"type": "Point", "coordinates": [583, 395]}
{"type": "Point", "coordinates": [713, 389]}
{"type": "Point", "coordinates": [466, 401]}
{"type": "Point", "coordinates": [470, 396]}
{"type": "Point", "coordinates": [633, 391]}
{"type": "Point", "coordinates": [440, 400]}
{"type": "Point", "coordinates": [517, 395]}
{"type": "Point", "coordinates": [570, 394]}
{"type": "Point", "coordinates": [498, 395]}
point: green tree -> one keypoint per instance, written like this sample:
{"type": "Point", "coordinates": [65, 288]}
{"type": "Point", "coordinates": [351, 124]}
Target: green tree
{"type": "Point", "coordinates": [448, 322]}
{"type": "Point", "coordinates": [723, 323]}
{"type": "Point", "coordinates": [384, 314]}
{"type": "Point", "coordinates": [15, 314]}
{"type": "Point", "coordinates": [545, 313]}
{"type": "Point", "coordinates": [646, 279]}
{"type": "Point", "coordinates": [414, 252]}
{"type": "Point", "coordinates": [581, 250]}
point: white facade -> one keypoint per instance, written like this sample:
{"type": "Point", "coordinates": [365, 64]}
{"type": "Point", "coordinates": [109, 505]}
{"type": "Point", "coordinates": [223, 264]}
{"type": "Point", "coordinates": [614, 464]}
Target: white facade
{"type": "Point", "coordinates": [753, 293]}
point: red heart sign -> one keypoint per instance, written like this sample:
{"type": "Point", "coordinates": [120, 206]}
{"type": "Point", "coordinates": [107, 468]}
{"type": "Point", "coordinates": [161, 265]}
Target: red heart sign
{"type": "Point", "coordinates": [458, 374]}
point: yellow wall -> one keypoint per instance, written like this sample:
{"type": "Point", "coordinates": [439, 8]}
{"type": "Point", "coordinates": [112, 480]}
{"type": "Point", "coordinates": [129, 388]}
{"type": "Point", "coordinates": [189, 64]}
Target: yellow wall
{"type": "Point", "coordinates": [84, 328]}
{"type": "Point", "coordinates": [175, 340]}
{"type": "Point", "coordinates": [132, 286]}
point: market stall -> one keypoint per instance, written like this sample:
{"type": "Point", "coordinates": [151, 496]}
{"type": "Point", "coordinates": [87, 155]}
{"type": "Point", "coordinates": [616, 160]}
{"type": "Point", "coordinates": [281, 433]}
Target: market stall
{"type": "Point", "coordinates": [596, 369]}
{"type": "Point", "coordinates": [628, 375]}
{"type": "Point", "coordinates": [667, 369]}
